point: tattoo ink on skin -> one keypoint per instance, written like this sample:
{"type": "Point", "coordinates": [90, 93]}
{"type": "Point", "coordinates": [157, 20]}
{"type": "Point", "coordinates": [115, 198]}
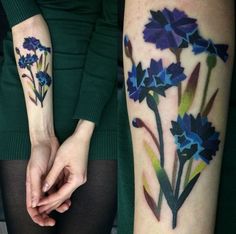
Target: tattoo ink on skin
{"type": "Point", "coordinates": [195, 137]}
{"type": "Point", "coordinates": [35, 57]}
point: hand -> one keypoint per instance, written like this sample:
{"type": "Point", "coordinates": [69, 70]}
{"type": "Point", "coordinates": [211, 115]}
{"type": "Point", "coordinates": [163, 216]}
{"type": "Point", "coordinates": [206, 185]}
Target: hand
{"type": "Point", "coordinates": [42, 156]}
{"type": "Point", "coordinates": [71, 160]}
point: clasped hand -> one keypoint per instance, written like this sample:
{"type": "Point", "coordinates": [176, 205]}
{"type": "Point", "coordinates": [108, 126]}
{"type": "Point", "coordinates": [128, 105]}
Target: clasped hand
{"type": "Point", "coordinates": [54, 172]}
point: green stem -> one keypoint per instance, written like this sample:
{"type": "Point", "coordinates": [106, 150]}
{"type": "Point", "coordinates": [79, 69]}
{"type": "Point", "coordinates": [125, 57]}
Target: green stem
{"type": "Point", "coordinates": [45, 60]}
{"type": "Point", "coordinates": [206, 88]}
{"type": "Point", "coordinates": [153, 106]}
{"type": "Point", "coordinates": [162, 160]}
{"type": "Point", "coordinates": [160, 133]}
{"type": "Point", "coordinates": [179, 85]}
{"type": "Point", "coordinates": [177, 52]}
{"type": "Point", "coordinates": [33, 80]}
{"type": "Point", "coordinates": [174, 222]}
{"type": "Point", "coordinates": [189, 169]}
{"type": "Point", "coordinates": [174, 171]}
{"type": "Point", "coordinates": [41, 94]}
{"type": "Point", "coordinates": [176, 193]}
{"type": "Point", "coordinates": [211, 63]}
{"type": "Point", "coordinates": [159, 203]}
{"type": "Point", "coordinates": [37, 64]}
{"type": "Point", "coordinates": [180, 172]}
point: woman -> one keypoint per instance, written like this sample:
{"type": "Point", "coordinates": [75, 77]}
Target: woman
{"type": "Point", "coordinates": [65, 54]}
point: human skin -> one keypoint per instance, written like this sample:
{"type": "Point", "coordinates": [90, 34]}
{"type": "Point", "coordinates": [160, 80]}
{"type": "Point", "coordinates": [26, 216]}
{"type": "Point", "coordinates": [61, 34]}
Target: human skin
{"type": "Point", "coordinates": [216, 21]}
{"type": "Point", "coordinates": [47, 156]}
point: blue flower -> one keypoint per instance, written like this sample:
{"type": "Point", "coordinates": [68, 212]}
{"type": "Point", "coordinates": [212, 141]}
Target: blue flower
{"type": "Point", "coordinates": [201, 45]}
{"type": "Point", "coordinates": [43, 78]}
{"type": "Point", "coordinates": [195, 137]}
{"type": "Point", "coordinates": [170, 29]}
{"type": "Point", "coordinates": [27, 60]}
{"type": "Point", "coordinates": [44, 48]}
{"type": "Point", "coordinates": [137, 83]}
{"type": "Point", "coordinates": [155, 78]}
{"type": "Point", "coordinates": [31, 43]}
{"type": "Point", "coordinates": [160, 79]}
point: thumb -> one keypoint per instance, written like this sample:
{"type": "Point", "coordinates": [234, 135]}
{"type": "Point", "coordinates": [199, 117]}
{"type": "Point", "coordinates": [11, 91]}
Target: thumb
{"type": "Point", "coordinates": [35, 184]}
{"type": "Point", "coordinates": [53, 174]}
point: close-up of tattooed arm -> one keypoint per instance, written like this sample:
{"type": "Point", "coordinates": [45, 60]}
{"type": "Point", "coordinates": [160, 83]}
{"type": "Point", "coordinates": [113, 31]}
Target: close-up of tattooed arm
{"type": "Point", "coordinates": [178, 58]}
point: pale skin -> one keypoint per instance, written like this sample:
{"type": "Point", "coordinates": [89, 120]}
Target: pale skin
{"type": "Point", "coordinates": [57, 170]}
{"type": "Point", "coordinates": [215, 18]}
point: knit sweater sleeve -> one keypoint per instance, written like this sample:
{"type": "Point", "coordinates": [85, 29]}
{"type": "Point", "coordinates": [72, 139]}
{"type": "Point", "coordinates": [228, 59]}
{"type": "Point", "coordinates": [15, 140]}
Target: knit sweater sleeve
{"type": "Point", "coordinates": [99, 77]}
{"type": "Point", "coordinates": [19, 10]}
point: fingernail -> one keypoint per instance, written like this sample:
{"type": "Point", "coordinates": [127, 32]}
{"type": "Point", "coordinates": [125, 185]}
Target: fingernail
{"type": "Point", "coordinates": [34, 203]}
{"type": "Point", "coordinates": [45, 187]}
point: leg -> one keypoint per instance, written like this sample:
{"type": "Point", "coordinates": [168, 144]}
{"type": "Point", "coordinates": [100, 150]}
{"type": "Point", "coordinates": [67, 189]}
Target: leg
{"type": "Point", "coordinates": [93, 206]}
{"type": "Point", "coordinates": [12, 181]}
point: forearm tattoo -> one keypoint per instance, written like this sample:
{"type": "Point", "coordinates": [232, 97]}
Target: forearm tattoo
{"type": "Point", "coordinates": [35, 58]}
{"type": "Point", "coordinates": [195, 138]}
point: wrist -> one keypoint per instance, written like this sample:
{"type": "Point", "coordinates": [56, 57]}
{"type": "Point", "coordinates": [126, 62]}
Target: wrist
{"type": "Point", "coordinates": [39, 136]}
{"type": "Point", "coordinates": [84, 129]}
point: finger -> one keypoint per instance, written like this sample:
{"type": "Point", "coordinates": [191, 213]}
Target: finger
{"type": "Point", "coordinates": [64, 207]}
{"type": "Point", "coordinates": [62, 194]}
{"type": "Point", "coordinates": [32, 212]}
{"type": "Point", "coordinates": [53, 175]}
{"type": "Point", "coordinates": [48, 207]}
{"type": "Point", "coordinates": [58, 206]}
{"type": "Point", "coordinates": [42, 220]}
{"type": "Point", "coordinates": [35, 184]}
{"type": "Point", "coordinates": [28, 189]}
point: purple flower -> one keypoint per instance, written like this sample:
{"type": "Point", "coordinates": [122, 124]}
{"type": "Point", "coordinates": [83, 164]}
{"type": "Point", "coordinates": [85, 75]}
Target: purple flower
{"type": "Point", "coordinates": [27, 60]}
{"type": "Point", "coordinates": [155, 78]}
{"type": "Point", "coordinates": [31, 43]}
{"type": "Point", "coordinates": [169, 29]}
{"type": "Point", "coordinates": [201, 45]}
{"type": "Point", "coordinates": [43, 78]}
{"type": "Point", "coordinates": [195, 137]}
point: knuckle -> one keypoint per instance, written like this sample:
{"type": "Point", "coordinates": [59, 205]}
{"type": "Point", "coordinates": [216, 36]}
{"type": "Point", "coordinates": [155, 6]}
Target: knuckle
{"type": "Point", "coordinates": [80, 179]}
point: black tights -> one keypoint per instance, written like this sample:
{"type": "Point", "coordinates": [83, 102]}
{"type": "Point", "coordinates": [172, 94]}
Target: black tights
{"type": "Point", "coordinates": [93, 206]}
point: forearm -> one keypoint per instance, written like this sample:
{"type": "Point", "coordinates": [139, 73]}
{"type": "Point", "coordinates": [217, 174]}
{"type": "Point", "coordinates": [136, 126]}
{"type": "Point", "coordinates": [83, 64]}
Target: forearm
{"type": "Point", "coordinates": [33, 53]}
{"type": "Point", "coordinates": [177, 102]}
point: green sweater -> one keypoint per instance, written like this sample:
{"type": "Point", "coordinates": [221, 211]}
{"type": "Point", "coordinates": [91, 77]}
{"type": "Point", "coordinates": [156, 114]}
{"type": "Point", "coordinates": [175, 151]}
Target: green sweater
{"type": "Point", "coordinates": [84, 39]}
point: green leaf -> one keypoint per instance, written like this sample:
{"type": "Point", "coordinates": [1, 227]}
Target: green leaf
{"type": "Point", "coordinates": [210, 104]}
{"type": "Point", "coordinates": [155, 161]}
{"type": "Point", "coordinates": [199, 168]}
{"type": "Point", "coordinates": [46, 68]}
{"type": "Point", "coordinates": [166, 187]}
{"type": "Point", "coordinates": [162, 177]}
{"type": "Point", "coordinates": [40, 62]}
{"type": "Point", "coordinates": [38, 95]}
{"type": "Point", "coordinates": [189, 93]}
{"type": "Point", "coordinates": [186, 191]}
{"type": "Point", "coordinates": [44, 95]}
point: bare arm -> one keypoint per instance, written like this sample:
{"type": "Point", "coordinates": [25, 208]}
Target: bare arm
{"type": "Point", "coordinates": [33, 53]}
{"type": "Point", "coordinates": [178, 59]}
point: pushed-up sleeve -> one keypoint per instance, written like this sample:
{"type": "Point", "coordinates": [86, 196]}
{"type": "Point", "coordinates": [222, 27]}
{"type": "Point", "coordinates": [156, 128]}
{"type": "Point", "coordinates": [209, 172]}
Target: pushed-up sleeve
{"type": "Point", "coordinates": [19, 10]}
{"type": "Point", "coordinates": [100, 71]}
